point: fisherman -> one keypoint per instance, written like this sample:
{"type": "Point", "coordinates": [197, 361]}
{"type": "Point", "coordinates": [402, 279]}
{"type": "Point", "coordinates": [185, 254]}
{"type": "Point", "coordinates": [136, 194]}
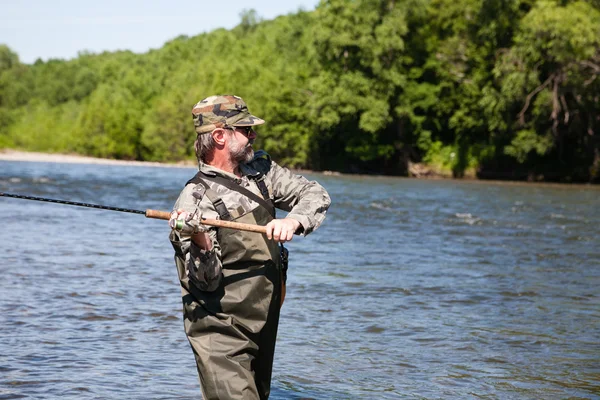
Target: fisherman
{"type": "Point", "coordinates": [233, 282]}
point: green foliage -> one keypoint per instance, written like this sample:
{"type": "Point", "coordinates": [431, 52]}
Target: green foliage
{"type": "Point", "coordinates": [8, 58]}
{"type": "Point", "coordinates": [548, 80]}
{"type": "Point", "coordinates": [356, 85]}
{"type": "Point", "coordinates": [249, 20]}
{"type": "Point", "coordinates": [44, 128]}
{"type": "Point", "coordinates": [110, 124]}
{"type": "Point", "coordinates": [527, 141]}
{"type": "Point", "coordinates": [558, 34]}
{"type": "Point", "coordinates": [165, 134]}
{"type": "Point", "coordinates": [361, 48]}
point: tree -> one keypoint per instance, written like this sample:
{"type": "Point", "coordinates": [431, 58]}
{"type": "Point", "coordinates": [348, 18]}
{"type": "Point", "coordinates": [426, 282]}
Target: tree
{"type": "Point", "coordinates": [362, 53]}
{"type": "Point", "coordinates": [551, 73]}
{"type": "Point", "coordinates": [8, 58]}
{"type": "Point", "coordinates": [110, 124]}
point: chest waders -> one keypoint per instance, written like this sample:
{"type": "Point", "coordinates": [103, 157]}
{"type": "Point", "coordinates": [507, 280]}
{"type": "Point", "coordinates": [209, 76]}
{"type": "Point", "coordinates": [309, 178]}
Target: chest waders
{"type": "Point", "coordinates": [233, 329]}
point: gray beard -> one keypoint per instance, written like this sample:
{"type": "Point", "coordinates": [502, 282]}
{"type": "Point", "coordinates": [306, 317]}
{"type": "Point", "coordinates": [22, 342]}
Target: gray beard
{"type": "Point", "coordinates": [241, 154]}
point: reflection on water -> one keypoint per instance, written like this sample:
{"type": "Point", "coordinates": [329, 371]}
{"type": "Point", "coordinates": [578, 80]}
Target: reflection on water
{"type": "Point", "coordinates": [416, 289]}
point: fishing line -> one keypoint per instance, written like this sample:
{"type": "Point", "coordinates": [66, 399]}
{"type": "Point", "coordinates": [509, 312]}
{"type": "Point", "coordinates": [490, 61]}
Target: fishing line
{"type": "Point", "coordinates": [72, 203]}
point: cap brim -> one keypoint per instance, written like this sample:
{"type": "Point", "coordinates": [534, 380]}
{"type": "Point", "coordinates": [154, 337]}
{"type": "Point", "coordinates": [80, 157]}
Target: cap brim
{"type": "Point", "coordinates": [250, 121]}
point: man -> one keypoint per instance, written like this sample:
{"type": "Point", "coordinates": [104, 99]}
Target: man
{"type": "Point", "coordinates": [232, 281]}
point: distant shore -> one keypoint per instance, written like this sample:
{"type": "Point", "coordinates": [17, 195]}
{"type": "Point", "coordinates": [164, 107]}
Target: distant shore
{"type": "Point", "coordinates": [418, 171]}
{"type": "Point", "coordinates": [16, 155]}
{"type": "Point", "coordinates": [32, 156]}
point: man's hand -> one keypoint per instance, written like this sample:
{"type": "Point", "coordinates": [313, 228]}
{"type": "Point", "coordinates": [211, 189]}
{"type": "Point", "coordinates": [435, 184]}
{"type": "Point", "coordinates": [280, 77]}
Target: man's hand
{"type": "Point", "coordinates": [187, 223]}
{"type": "Point", "coordinates": [282, 230]}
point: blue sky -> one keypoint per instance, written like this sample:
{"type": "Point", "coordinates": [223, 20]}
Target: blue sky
{"type": "Point", "coordinates": [60, 29]}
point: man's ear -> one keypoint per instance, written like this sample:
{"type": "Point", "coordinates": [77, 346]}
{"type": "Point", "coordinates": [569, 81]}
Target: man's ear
{"type": "Point", "coordinates": [219, 136]}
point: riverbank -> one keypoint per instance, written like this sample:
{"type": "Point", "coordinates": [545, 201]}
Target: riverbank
{"type": "Point", "coordinates": [32, 156]}
{"type": "Point", "coordinates": [16, 155]}
{"type": "Point", "coordinates": [417, 171]}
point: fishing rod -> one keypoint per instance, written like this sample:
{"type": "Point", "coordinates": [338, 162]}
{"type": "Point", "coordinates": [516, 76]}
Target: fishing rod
{"type": "Point", "coordinates": [156, 214]}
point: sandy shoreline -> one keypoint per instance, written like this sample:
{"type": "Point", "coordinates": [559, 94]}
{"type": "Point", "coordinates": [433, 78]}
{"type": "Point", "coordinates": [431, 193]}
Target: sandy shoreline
{"type": "Point", "coordinates": [16, 155]}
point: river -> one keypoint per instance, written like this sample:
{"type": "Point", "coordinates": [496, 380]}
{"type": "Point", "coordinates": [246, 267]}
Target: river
{"type": "Point", "coordinates": [421, 289]}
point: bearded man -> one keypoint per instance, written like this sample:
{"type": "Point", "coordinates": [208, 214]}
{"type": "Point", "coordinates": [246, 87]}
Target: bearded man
{"type": "Point", "coordinates": [233, 282]}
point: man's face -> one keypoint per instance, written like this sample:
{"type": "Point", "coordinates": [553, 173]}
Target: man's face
{"type": "Point", "coordinates": [240, 144]}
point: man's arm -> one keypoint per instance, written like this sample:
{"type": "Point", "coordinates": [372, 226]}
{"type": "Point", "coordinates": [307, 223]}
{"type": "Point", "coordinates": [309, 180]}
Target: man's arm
{"type": "Point", "coordinates": [306, 201]}
{"type": "Point", "coordinates": [190, 224]}
{"type": "Point", "coordinates": [200, 251]}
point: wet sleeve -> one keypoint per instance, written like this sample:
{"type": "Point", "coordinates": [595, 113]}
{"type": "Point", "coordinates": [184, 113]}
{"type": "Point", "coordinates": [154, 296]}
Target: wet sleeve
{"type": "Point", "coordinates": [184, 247]}
{"type": "Point", "coordinates": [307, 201]}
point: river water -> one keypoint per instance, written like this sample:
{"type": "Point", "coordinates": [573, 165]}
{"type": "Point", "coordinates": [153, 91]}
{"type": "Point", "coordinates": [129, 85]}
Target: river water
{"type": "Point", "coordinates": [411, 289]}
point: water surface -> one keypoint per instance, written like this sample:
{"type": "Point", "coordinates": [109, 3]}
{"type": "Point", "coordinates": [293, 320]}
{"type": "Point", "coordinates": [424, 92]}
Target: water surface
{"type": "Point", "coordinates": [410, 289]}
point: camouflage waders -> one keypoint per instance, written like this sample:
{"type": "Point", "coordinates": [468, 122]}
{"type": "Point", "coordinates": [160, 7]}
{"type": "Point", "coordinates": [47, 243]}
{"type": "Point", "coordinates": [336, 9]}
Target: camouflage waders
{"type": "Point", "coordinates": [233, 329]}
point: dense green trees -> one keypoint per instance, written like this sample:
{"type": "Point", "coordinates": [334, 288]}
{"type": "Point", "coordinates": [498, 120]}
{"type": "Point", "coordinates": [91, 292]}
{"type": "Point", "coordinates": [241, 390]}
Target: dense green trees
{"type": "Point", "coordinates": [497, 88]}
{"type": "Point", "coordinates": [549, 76]}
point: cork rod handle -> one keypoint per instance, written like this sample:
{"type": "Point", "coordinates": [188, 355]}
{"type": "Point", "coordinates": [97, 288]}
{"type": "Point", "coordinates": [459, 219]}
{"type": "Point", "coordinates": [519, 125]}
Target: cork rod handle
{"type": "Point", "coordinates": [156, 214]}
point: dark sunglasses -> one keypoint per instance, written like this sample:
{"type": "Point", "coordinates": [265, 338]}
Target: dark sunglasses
{"type": "Point", "coordinates": [244, 129]}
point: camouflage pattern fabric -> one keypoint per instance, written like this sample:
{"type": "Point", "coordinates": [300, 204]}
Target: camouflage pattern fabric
{"type": "Point", "coordinates": [221, 111]}
{"type": "Point", "coordinates": [306, 201]}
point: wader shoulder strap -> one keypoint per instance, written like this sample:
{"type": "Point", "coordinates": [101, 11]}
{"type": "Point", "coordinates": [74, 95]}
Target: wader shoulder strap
{"type": "Point", "coordinates": [260, 182]}
{"type": "Point", "coordinates": [237, 188]}
{"type": "Point", "coordinates": [220, 207]}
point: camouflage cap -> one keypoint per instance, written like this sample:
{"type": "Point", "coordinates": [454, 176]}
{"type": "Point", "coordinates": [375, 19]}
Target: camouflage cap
{"type": "Point", "coordinates": [218, 111]}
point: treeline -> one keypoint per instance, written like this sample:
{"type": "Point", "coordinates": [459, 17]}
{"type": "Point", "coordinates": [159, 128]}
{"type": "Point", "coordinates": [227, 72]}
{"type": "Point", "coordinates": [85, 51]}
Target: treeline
{"type": "Point", "coordinates": [493, 88]}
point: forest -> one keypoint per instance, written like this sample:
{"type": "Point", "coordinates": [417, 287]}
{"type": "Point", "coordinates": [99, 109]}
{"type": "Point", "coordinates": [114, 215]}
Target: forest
{"type": "Point", "coordinates": [493, 89]}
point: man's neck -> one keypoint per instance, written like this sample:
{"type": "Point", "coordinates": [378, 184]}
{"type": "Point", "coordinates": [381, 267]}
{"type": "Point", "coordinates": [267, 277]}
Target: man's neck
{"type": "Point", "coordinates": [225, 164]}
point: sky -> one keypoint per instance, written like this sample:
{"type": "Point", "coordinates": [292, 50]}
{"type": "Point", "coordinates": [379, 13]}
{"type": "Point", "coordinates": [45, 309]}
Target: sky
{"type": "Point", "coordinates": [60, 29]}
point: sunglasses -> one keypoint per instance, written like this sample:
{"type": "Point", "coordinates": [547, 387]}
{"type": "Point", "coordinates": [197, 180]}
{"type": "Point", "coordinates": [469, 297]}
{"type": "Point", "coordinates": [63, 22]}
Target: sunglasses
{"type": "Point", "coordinates": [244, 129]}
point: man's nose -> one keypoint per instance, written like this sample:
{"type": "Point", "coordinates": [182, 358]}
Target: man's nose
{"type": "Point", "coordinates": [252, 134]}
